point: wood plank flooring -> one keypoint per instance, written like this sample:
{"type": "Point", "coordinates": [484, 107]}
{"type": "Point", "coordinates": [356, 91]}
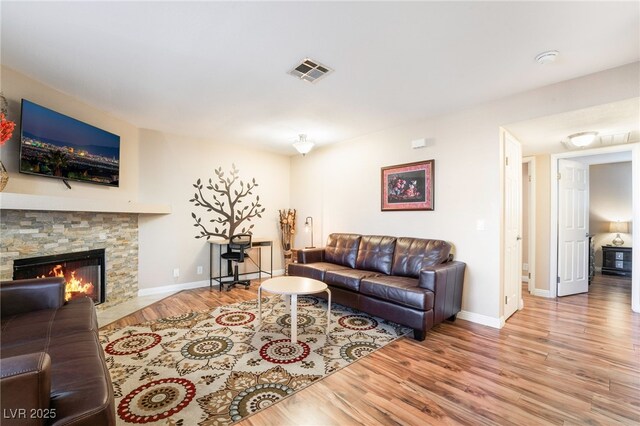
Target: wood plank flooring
{"type": "Point", "coordinates": [566, 361]}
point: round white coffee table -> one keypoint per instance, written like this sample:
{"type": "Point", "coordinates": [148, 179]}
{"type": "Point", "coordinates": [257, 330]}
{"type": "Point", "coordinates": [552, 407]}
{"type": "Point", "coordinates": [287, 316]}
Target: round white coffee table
{"type": "Point", "coordinates": [292, 287]}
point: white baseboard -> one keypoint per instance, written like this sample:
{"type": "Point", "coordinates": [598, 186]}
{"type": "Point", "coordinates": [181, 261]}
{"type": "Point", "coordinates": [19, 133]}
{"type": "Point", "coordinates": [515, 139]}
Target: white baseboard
{"type": "Point", "coordinates": [481, 319]}
{"type": "Point", "coordinates": [172, 288]}
{"type": "Point", "coordinates": [525, 278]}
{"type": "Point", "coordinates": [541, 293]}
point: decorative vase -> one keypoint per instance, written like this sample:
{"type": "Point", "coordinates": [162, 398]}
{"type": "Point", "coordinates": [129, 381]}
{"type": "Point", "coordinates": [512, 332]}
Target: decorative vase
{"type": "Point", "coordinates": [4, 177]}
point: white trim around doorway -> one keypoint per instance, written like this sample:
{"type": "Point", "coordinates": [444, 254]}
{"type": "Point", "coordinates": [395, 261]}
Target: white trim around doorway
{"type": "Point", "coordinates": [634, 149]}
{"type": "Point", "coordinates": [531, 231]}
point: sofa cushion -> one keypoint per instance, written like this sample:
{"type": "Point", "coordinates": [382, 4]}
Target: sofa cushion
{"type": "Point", "coordinates": [315, 270]}
{"type": "Point", "coordinates": [81, 389]}
{"type": "Point", "coordinates": [413, 254]}
{"type": "Point", "coordinates": [347, 278]}
{"type": "Point", "coordinates": [400, 290]}
{"type": "Point", "coordinates": [34, 329]}
{"type": "Point", "coordinates": [342, 249]}
{"type": "Point", "coordinates": [375, 253]}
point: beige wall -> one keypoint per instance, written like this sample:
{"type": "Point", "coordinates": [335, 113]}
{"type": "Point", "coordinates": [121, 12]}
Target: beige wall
{"type": "Point", "coordinates": [543, 221]}
{"type": "Point", "coordinates": [340, 185]}
{"type": "Point", "coordinates": [154, 168]}
{"type": "Point", "coordinates": [525, 217]}
{"type": "Point", "coordinates": [16, 86]}
{"type": "Point", "coordinates": [609, 201]}
{"type": "Point", "coordinates": [169, 166]}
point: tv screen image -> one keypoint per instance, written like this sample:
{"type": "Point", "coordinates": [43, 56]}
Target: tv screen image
{"type": "Point", "coordinates": [56, 145]}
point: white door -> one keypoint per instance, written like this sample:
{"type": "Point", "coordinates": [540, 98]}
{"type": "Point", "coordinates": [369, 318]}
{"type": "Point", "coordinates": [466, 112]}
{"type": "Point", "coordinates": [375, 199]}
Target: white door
{"type": "Point", "coordinates": [573, 228]}
{"type": "Point", "coordinates": [512, 224]}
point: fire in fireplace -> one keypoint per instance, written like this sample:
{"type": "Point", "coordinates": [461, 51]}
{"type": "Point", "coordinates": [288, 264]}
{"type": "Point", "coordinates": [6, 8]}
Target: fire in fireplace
{"type": "Point", "coordinates": [84, 272]}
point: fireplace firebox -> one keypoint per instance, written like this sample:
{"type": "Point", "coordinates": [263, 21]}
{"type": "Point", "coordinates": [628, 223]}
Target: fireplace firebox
{"type": "Point", "coordinates": [84, 272]}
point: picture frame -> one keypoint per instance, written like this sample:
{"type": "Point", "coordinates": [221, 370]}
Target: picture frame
{"type": "Point", "coordinates": [408, 186]}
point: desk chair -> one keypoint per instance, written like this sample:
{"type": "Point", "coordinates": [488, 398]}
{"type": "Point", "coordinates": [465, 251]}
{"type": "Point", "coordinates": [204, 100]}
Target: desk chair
{"type": "Point", "coordinates": [236, 252]}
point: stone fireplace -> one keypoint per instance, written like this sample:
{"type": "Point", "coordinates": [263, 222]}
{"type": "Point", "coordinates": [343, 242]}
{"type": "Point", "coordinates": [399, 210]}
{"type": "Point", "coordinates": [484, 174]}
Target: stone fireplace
{"type": "Point", "coordinates": [28, 234]}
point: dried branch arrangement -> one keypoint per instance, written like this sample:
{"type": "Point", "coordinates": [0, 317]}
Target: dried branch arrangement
{"type": "Point", "coordinates": [287, 228]}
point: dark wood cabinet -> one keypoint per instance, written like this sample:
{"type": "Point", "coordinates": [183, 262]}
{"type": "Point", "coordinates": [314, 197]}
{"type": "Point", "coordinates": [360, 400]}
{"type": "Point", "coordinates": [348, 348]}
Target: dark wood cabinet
{"type": "Point", "coordinates": [616, 261]}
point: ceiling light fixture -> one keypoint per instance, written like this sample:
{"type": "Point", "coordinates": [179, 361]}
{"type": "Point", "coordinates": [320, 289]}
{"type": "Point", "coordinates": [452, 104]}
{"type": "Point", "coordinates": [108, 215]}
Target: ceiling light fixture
{"type": "Point", "coordinates": [303, 146]}
{"type": "Point", "coordinates": [582, 139]}
{"type": "Point", "coordinates": [547, 57]}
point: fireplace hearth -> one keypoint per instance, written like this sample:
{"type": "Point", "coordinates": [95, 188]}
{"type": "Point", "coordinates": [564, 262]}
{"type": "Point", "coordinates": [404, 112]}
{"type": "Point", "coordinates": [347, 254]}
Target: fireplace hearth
{"type": "Point", "coordinates": [84, 272]}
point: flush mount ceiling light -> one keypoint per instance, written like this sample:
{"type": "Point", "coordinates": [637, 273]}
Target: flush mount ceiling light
{"type": "Point", "coordinates": [582, 139]}
{"type": "Point", "coordinates": [310, 70]}
{"type": "Point", "coordinates": [579, 140]}
{"type": "Point", "coordinates": [547, 57]}
{"type": "Point", "coordinates": [302, 145]}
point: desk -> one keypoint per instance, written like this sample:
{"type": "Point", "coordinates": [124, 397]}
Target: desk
{"type": "Point", "coordinates": [255, 243]}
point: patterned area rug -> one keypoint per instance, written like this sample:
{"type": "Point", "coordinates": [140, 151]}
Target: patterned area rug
{"type": "Point", "coordinates": [214, 368]}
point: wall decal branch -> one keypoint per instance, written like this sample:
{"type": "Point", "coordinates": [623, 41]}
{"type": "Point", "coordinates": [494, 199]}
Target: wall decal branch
{"type": "Point", "coordinates": [223, 200]}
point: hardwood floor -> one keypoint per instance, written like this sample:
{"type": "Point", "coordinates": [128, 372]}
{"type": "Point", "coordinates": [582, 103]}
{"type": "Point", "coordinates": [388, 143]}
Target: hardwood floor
{"type": "Point", "coordinates": [572, 360]}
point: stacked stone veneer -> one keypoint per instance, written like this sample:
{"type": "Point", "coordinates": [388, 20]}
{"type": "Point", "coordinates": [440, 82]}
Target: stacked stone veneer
{"type": "Point", "coordinates": [41, 233]}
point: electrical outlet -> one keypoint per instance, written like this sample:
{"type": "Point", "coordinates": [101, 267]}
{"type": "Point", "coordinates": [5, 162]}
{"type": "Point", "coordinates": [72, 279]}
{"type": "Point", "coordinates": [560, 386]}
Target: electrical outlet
{"type": "Point", "coordinates": [199, 270]}
{"type": "Point", "coordinates": [176, 272]}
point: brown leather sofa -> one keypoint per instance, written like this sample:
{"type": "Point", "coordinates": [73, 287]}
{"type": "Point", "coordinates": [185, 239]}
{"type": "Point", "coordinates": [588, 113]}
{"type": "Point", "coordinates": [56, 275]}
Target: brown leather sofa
{"type": "Point", "coordinates": [52, 365]}
{"type": "Point", "coordinates": [411, 281]}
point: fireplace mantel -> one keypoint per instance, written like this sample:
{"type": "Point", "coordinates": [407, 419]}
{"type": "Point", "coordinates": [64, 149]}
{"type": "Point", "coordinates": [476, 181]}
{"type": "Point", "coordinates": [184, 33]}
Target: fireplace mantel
{"type": "Point", "coordinates": [14, 201]}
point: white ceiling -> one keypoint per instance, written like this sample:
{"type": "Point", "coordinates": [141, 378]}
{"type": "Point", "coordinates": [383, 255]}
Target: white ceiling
{"type": "Point", "coordinates": [218, 70]}
{"type": "Point", "coordinates": [543, 135]}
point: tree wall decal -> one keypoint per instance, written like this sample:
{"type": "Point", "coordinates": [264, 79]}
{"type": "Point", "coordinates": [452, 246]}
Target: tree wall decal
{"type": "Point", "coordinates": [227, 200]}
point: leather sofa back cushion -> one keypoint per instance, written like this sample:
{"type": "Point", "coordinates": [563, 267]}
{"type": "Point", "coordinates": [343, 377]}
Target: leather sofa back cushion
{"type": "Point", "coordinates": [342, 249]}
{"type": "Point", "coordinates": [376, 253]}
{"type": "Point", "coordinates": [413, 254]}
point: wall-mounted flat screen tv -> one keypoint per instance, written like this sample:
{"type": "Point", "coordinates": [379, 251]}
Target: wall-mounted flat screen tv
{"type": "Point", "coordinates": [56, 145]}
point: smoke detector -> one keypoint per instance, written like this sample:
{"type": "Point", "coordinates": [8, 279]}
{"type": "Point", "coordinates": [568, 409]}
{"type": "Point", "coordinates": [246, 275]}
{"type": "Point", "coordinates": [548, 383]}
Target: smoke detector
{"type": "Point", "coordinates": [547, 57]}
{"type": "Point", "coordinates": [310, 70]}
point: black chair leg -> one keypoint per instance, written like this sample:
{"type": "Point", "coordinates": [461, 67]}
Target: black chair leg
{"type": "Point", "coordinates": [236, 279]}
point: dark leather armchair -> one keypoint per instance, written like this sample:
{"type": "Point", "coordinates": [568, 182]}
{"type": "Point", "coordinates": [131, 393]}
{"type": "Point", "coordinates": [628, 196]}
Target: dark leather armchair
{"type": "Point", "coordinates": [236, 252]}
{"type": "Point", "coordinates": [52, 365]}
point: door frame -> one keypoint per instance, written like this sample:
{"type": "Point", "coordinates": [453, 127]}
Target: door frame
{"type": "Point", "coordinates": [531, 229]}
{"type": "Point", "coordinates": [634, 148]}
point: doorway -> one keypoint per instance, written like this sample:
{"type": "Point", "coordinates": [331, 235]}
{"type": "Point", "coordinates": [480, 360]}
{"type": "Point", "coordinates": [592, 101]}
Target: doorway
{"type": "Point", "coordinates": [630, 152]}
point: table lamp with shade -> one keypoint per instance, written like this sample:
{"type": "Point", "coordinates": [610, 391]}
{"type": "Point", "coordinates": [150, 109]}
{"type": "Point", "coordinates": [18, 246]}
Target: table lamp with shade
{"type": "Point", "coordinates": [618, 227]}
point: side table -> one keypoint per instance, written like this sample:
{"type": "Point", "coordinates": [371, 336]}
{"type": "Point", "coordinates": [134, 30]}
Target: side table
{"type": "Point", "coordinates": [292, 287]}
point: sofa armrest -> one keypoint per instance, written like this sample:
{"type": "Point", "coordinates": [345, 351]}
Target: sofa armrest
{"type": "Point", "coordinates": [25, 386]}
{"type": "Point", "coordinates": [445, 281]}
{"type": "Point", "coordinates": [311, 255]}
{"type": "Point", "coordinates": [20, 296]}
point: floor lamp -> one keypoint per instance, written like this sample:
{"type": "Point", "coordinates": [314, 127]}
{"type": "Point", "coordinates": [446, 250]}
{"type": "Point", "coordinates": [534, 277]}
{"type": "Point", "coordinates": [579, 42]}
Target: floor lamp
{"type": "Point", "coordinates": [308, 226]}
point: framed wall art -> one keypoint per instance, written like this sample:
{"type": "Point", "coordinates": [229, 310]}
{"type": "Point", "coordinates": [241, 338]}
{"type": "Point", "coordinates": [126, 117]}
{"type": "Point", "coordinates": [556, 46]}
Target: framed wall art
{"type": "Point", "coordinates": [408, 186]}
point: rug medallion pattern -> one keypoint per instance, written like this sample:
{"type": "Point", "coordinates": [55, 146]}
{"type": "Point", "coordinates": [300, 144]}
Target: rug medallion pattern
{"type": "Point", "coordinates": [214, 368]}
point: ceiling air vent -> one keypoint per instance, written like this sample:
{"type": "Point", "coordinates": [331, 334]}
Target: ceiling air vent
{"type": "Point", "coordinates": [616, 139]}
{"type": "Point", "coordinates": [310, 70]}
